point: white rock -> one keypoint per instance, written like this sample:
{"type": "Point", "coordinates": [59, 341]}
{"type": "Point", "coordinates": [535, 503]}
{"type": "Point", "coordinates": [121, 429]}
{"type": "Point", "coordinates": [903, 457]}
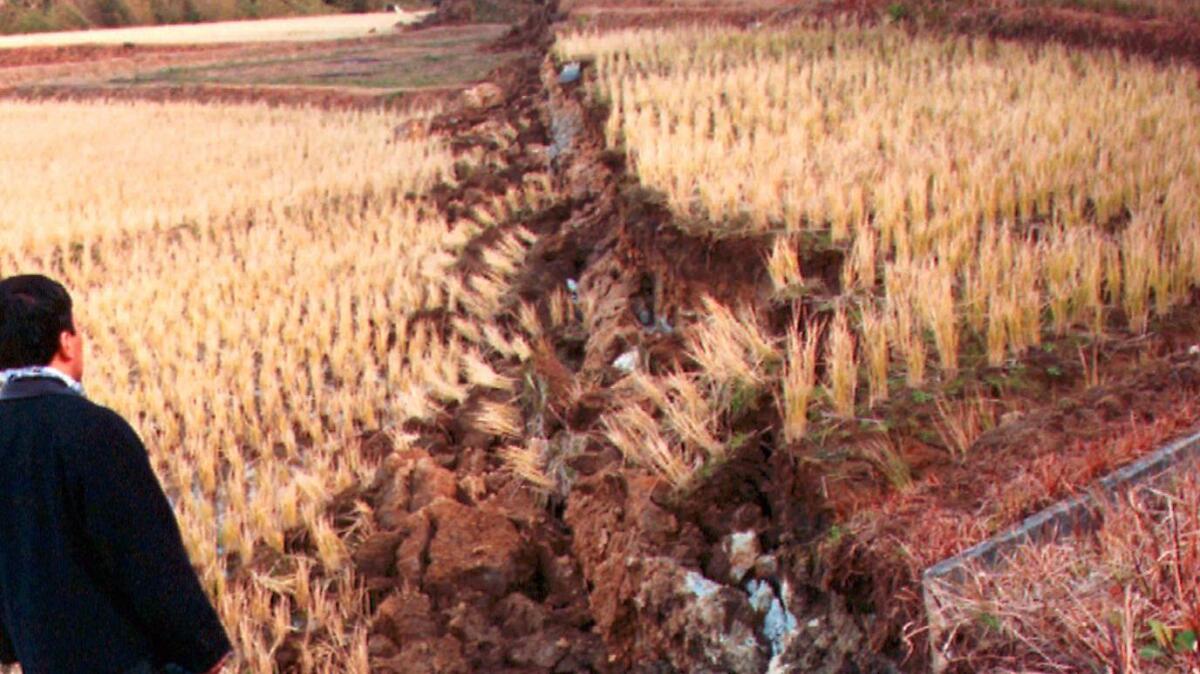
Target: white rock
{"type": "Point", "coordinates": [699, 585]}
{"type": "Point", "coordinates": [626, 362]}
{"type": "Point", "coordinates": [742, 550]}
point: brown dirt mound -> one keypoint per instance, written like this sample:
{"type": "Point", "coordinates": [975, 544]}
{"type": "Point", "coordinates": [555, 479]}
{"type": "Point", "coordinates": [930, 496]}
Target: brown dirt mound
{"type": "Point", "coordinates": [480, 11]}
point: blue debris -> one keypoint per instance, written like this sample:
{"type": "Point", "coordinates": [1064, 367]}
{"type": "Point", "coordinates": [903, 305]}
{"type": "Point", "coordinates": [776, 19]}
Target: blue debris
{"type": "Point", "coordinates": [570, 73]}
{"type": "Point", "coordinates": [778, 624]}
{"type": "Point", "coordinates": [761, 595]}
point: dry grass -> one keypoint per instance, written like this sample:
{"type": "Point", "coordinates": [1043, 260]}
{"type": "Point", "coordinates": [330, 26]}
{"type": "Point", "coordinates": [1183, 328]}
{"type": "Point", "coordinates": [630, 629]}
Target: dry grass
{"type": "Point", "coordinates": [842, 365]}
{"type": "Point", "coordinates": [1124, 599]}
{"type": "Point", "coordinates": [73, 172]}
{"type": "Point", "coordinates": [733, 351]}
{"type": "Point", "coordinates": [799, 380]}
{"type": "Point", "coordinates": [960, 423]}
{"type": "Point", "coordinates": [984, 193]}
{"type": "Point", "coordinates": [248, 282]}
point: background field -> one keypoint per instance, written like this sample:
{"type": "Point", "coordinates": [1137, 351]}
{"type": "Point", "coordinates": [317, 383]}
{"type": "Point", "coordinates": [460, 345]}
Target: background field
{"type": "Point", "coordinates": [394, 68]}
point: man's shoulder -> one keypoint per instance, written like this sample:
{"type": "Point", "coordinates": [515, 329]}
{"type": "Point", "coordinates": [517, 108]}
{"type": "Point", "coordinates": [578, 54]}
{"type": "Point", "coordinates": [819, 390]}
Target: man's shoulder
{"type": "Point", "coordinates": [77, 414]}
{"type": "Point", "coordinates": [100, 416]}
{"type": "Point", "coordinates": [79, 406]}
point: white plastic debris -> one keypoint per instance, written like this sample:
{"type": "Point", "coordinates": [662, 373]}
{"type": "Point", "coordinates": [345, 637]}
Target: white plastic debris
{"type": "Point", "coordinates": [761, 595]}
{"type": "Point", "coordinates": [570, 73]}
{"type": "Point", "coordinates": [626, 362]}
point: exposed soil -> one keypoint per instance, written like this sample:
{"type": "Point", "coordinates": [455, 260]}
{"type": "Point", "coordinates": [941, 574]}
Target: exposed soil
{"type": "Point", "coordinates": [450, 12]}
{"type": "Point", "coordinates": [606, 15]}
{"type": "Point", "coordinates": [1157, 38]}
{"type": "Point", "coordinates": [616, 573]}
{"type": "Point", "coordinates": [413, 67]}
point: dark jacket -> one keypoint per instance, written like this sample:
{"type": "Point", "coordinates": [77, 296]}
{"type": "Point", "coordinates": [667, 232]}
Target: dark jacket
{"type": "Point", "coordinates": [94, 577]}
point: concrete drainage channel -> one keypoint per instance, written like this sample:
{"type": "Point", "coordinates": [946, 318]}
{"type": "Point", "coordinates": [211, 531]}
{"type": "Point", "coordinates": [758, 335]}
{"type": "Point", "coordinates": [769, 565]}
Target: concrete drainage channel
{"type": "Point", "coordinates": [1064, 518]}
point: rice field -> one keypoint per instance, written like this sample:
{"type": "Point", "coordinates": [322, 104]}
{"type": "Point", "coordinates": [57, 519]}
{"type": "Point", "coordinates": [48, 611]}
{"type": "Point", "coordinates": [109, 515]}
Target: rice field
{"type": "Point", "coordinates": [985, 195]}
{"type": "Point", "coordinates": [246, 280]}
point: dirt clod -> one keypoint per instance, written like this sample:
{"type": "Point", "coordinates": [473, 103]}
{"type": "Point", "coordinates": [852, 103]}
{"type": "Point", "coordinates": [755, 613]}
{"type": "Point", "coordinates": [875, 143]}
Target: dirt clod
{"type": "Point", "coordinates": [482, 96]}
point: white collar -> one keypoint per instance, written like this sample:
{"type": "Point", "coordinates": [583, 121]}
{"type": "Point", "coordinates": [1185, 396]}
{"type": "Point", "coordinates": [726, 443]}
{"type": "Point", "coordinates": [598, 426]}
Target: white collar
{"type": "Point", "coordinates": [44, 371]}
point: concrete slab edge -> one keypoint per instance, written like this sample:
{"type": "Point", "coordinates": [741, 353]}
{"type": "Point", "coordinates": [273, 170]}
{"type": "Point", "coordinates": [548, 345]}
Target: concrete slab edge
{"type": "Point", "coordinates": [1063, 518]}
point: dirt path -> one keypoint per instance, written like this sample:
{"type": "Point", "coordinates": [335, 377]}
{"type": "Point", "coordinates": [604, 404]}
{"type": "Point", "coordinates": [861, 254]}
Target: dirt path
{"type": "Point", "coordinates": [294, 29]}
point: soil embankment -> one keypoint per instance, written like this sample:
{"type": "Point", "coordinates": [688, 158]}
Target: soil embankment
{"type": "Point", "coordinates": [472, 570]}
{"type": "Point", "coordinates": [604, 569]}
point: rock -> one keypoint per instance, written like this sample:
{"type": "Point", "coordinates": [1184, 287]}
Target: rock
{"type": "Point", "coordinates": [431, 482]}
{"type": "Point", "coordinates": [473, 627]}
{"type": "Point", "coordinates": [714, 624]}
{"type": "Point", "coordinates": [828, 641]}
{"type": "Point", "coordinates": [376, 555]}
{"type": "Point", "coordinates": [405, 617]}
{"type": "Point", "coordinates": [627, 362]}
{"type": "Point", "coordinates": [408, 474]}
{"type": "Point", "coordinates": [563, 581]}
{"type": "Point", "coordinates": [410, 554]}
{"type": "Point", "coordinates": [766, 566]}
{"type": "Point", "coordinates": [380, 647]}
{"type": "Point", "coordinates": [474, 489]}
{"type": "Point", "coordinates": [742, 550]}
{"type": "Point", "coordinates": [588, 654]}
{"type": "Point", "coordinates": [588, 463]}
{"type": "Point", "coordinates": [542, 650]}
{"type": "Point", "coordinates": [474, 548]}
{"type": "Point", "coordinates": [656, 522]}
{"type": "Point", "coordinates": [566, 123]}
{"type": "Point", "coordinates": [482, 96]}
{"type": "Point", "coordinates": [520, 615]}
{"type": "Point", "coordinates": [430, 656]}
{"type": "Point", "coordinates": [391, 504]}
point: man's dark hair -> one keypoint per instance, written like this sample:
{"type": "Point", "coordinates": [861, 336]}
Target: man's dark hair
{"type": "Point", "coordinates": [34, 311]}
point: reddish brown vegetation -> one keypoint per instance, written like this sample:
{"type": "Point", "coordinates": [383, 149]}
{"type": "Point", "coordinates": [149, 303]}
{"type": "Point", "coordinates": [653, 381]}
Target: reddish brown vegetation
{"type": "Point", "coordinates": [1158, 38]}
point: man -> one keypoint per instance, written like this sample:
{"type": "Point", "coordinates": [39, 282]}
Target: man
{"type": "Point", "coordinates": [94, 578]}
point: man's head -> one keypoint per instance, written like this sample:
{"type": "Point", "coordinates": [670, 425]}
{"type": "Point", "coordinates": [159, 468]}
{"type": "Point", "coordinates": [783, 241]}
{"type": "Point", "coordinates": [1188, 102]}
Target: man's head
{"type": "Point", "coordinates": [37, 326]}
